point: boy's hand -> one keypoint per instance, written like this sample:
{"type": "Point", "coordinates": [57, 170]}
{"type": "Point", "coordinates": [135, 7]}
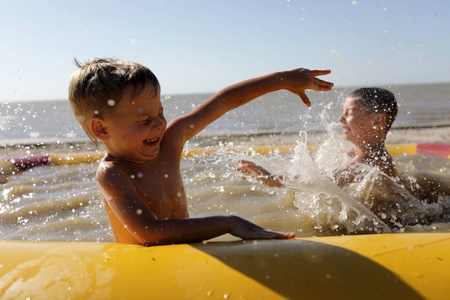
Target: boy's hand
{"type": "Point", "coordinates": [248, 231]}
{"type": "Point", "coordinates": [300, 80]}
{"type": "Point", "coordinates": [251, 169]}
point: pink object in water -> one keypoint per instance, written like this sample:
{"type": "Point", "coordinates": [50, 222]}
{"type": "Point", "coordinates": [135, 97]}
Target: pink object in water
{"type": "Point", "coordinates": [442, 150]}
{"type": "Point", "coordinates": [27, 162]}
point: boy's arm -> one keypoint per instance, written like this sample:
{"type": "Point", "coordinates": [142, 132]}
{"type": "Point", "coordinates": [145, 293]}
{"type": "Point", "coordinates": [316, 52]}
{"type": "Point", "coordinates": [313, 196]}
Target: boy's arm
{"type": "Point", "coordinates": [295, 81]}
{"type": "Point", "coordinates": [251, 169]}
{"type": "Point", "coordinates": [344, 176]}
{"type": "Point", "coordinates": [125, 202]}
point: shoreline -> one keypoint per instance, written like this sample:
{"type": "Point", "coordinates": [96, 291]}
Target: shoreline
{"type": "Point", "coordinates": [432, 134]}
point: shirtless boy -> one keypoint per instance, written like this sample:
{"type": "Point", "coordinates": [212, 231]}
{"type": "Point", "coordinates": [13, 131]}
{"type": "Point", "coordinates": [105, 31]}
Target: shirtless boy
{"type": "Point", "coordinates": [368, 115]}
{"type": "Point", "coordinates": [139, 180]}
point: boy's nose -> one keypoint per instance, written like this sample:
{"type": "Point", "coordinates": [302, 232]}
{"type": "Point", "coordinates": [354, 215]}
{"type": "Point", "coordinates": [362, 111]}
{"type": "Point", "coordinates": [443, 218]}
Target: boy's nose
{"type": "Point", "coordinates": [158, 123]}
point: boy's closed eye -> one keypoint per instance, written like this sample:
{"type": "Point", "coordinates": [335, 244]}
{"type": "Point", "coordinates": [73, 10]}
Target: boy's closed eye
{"type": "Point", "coordinates": [145, 121]}
{"type": "Point", "coordinates": [148, 119]}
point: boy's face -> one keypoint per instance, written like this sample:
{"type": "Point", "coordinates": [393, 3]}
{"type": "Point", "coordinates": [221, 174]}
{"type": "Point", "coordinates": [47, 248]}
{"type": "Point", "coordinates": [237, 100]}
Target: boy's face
{"type": "Point", "coordinates": [136, 126]}
{"type": "Point", "coordinates": [358, 126]}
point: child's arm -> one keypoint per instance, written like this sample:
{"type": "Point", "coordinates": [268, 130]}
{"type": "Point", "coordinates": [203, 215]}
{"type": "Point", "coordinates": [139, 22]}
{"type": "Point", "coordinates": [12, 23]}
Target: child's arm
{"type": "Point", "coordinates": [126, 204]}
{"type": "Point", "coordinates": [295, 81]}
{"type": "Point", "coordinates": [251, 169]}
{"type": "Point", "coordinates": [344, 176]}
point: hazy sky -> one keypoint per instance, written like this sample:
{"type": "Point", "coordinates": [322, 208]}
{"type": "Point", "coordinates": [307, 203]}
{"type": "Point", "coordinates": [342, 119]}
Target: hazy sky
{"type": "Point", "coordinates": [203, 46]}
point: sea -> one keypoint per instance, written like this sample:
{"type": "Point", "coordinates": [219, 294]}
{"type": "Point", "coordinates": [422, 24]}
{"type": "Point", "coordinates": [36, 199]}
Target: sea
{"type": "Point", "coordinates": [61, 203]}
{"type": "Point", "coordinates": [36, 122]}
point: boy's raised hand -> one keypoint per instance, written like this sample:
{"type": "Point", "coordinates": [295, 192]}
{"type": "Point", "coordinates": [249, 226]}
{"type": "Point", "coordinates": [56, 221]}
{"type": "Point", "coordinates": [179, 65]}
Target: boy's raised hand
{"type": "Point", "coordinates": [299, 80]}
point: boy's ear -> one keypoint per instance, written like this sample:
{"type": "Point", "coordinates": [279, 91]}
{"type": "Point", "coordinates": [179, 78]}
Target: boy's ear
{"type": "Point", "coordinates": [380, 120]}
{"type": "Point", "coordinates": [98, 129]}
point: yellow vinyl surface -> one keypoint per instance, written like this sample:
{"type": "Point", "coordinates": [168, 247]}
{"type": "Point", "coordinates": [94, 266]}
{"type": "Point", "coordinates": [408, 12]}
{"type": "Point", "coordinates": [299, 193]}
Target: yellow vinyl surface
{"type": "Point", "coordinates": [56, 159]}
{"type": "Point", "coordinates": [383, 266]}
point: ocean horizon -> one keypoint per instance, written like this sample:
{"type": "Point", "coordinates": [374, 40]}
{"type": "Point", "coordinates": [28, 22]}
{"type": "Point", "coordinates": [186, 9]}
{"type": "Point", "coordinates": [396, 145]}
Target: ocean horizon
{"type": "Point", "coordinates": [51, 121]}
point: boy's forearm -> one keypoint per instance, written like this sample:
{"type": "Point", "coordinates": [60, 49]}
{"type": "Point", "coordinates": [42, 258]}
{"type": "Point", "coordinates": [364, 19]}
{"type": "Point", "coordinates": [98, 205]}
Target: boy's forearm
{"type": "Point", "coordinates": [186, 230]}
{"type": "Point", "coordinates": [273, 180]}
{"type": "Point", "coordinates": [245, 91]}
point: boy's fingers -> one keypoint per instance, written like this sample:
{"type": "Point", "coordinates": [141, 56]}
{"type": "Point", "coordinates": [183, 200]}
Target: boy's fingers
{"type": "Point", "coordinates": [324, 83]}
{"type": "Point", "coordinates": [321, 88]}
{"type": "Point", "coordinates": [288, 235]}
{"type": "Point", "coordinates": [244, 161]}
{"type": "Point", "coordinates": [319, 72]}
{"type": "Point", "coordinates": [243, 171]}
{"type": "Point", "coordinates": [305, 99]}
{"type": "Point", "coordinates": [282, 235]}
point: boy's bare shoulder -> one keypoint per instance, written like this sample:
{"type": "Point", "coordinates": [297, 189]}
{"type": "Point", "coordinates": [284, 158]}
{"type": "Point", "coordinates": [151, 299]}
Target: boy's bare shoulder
{"type": "Point", "coordinates": [384, 161]}
{"type": "Point", "coordinates": [174, 137]}
{"type": "Point", "coordinates": [109, 171]}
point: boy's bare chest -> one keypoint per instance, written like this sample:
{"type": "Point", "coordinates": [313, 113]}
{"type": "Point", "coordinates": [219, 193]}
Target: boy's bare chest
{"type": "Point", "coordinates": [163, 192]}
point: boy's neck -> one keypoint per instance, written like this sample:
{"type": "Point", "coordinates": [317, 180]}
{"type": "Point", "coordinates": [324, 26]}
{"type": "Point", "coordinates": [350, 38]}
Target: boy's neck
{"type": "Point", "coordinates": [123, 161]}
{"type": "Point", "coordinates": [368, 149]}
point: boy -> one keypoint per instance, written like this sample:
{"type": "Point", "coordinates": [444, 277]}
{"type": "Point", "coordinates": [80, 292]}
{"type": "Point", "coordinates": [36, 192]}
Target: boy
{"type": "Point", "coordinates": [368, 115]}
{"type": "Point", "coordinates": [118, 103]}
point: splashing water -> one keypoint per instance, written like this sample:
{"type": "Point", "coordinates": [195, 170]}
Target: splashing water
{"type": "Point", "coordinates": [374, 202]}
{"type": "Point", "coordinates": [319, 200]}
{"type": "Point", "coordinates": [62, 202]}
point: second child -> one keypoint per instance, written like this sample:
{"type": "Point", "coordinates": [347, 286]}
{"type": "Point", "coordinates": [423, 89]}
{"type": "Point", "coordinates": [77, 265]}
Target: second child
{"type": "Point", "coordinates": [367, 116]}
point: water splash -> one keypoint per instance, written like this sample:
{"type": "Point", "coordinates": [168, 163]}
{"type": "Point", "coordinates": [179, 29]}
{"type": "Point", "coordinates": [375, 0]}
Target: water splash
{"type": "Point", "coordinates": [318, 197]}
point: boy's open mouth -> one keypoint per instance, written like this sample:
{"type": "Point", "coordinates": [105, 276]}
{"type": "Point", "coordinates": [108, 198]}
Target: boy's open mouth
{"type": "Point", "coordinates": [152, 141]}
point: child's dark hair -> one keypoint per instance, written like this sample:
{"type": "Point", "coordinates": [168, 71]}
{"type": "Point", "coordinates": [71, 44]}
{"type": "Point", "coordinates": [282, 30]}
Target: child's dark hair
{"type": "Point", "coordinates": [378, 100]}
{"type": "Point", "coordinates": [98, 85]}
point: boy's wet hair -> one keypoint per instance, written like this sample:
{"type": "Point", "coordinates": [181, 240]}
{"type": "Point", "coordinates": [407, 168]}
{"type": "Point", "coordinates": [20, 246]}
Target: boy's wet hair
{"type": "Point", "coordinates": [98, 85]}
{"type": "Point", "coordinates": [378, 100]}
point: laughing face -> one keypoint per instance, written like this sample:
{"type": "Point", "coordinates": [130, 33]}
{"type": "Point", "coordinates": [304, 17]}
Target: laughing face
{"type": "Point", "coordinates": [135, 128]}
{"type": "Point", "coordinates": [357, 125]}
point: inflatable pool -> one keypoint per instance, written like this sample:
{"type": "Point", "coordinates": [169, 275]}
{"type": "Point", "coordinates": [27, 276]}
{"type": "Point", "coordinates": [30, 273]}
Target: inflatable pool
{"type": "Point", "coordinates": [377, 266]}
{"type": "Point", "coordinates": [383, 266]}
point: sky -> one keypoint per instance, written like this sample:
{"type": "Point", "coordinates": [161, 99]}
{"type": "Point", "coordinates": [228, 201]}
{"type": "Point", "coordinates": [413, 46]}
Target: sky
{"type": "Point", "coordinates": [201, 46]}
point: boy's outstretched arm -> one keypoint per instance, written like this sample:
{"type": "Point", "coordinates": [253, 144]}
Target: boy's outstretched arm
{"type": "Point", "coordinates": [148, 230]}
{"type": "Point", "coordinates": [296, 81]}
{"type": "Point", "coordinates": [124, 201]}
{"type": "Point", "coordinates": [194, 230]}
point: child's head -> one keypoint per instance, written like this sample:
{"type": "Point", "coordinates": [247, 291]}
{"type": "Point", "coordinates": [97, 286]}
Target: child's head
{"type": "Point", "coordinates": [368, 115]}
{"type": "Point", "coordinates": [378, 100]}
{"type": "Point", "coordinates": [98, 85]}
